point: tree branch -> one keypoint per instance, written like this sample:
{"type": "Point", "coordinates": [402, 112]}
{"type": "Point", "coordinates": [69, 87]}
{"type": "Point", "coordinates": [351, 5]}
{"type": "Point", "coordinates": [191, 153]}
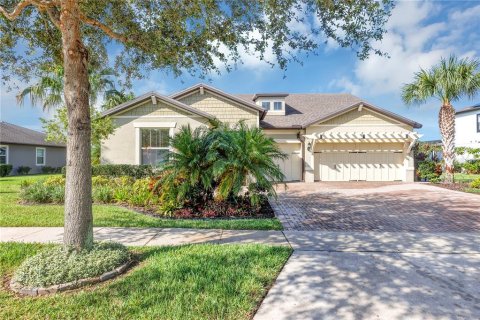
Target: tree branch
{"type": "Point", "coordinates": [104, 28]}
{"type": "Point", "coordinates": [43, 4]}
{"type": "Point", "coordinates": [54, 16]}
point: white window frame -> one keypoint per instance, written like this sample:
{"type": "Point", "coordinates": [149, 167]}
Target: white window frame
{"type": "Point", "coordinates": [44, 156]}
{"type": "Point", "coordinates": [269, 105]}
{"type": "Point", "coordinates": [152, 125]}
{"type": "Point", "coordinates": [281, 105]}
{"type": "Point", "coordinates": [7, 152]}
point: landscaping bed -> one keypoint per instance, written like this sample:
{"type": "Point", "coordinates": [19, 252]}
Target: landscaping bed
{"type": "Point", "coordinates": [187, 282]}
{"type": "Point", "coordinates": [15, 214]}
{"type": "Point", "coordinates": [459, 186]}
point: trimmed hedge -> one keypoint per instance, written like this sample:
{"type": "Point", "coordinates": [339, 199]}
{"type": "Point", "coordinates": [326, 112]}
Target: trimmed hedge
{"type": "Point", "coordinates": [5, 169]}
{"type": "Point", "coordinates": [22, 170]}
{"type": "Point", "coordinates": [48, 169]}
{"type": "Point", "coordinates": [119, 170]}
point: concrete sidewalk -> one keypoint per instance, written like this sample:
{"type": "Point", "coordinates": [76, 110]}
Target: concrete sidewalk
{"type": "Point", "coordinates": [148, 236]}
{"type": "Point", "coordinates": [322, 241]}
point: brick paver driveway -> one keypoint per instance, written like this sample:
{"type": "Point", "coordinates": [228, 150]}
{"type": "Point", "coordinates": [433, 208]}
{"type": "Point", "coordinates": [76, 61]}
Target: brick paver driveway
{"type": "Point", "coordinates": [361, 206]}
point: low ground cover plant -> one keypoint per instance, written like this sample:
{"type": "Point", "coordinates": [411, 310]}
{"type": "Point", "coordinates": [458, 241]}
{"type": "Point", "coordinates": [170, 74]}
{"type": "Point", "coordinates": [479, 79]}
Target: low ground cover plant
{"type": "Point", "coordinates": [475, 184]}
{"type": "Point", "coordinates": [58, 265]}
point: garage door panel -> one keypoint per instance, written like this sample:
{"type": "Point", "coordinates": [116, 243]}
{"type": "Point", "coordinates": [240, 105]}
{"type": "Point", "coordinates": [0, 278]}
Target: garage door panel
{"type": "Point", "coordinates": [359, 166]}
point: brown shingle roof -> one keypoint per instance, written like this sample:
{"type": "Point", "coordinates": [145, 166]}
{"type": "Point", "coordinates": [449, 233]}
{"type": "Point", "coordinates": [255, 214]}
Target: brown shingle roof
{"type": "Point", "coordinates": [304, 109]}
{"type": "Point", "coordinates": [10, 133]}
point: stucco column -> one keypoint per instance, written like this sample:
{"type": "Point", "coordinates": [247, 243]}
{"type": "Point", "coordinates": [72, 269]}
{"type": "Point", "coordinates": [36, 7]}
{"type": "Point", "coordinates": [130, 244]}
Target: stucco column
{"type": "Point", "coordinates": [309, 160]}
{"type": "Point", "coordinates": [409, 166]}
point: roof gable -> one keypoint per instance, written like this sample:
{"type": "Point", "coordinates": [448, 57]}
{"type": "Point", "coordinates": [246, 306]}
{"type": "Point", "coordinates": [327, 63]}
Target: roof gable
{"type": "Point", "coordinates": [153, 96]}
{"type": "Point", "coordinates": [11, 133]}
{"type": "Point", "coordinates": [361, 104]}
{"type": "Point", "coordinates": [203, 87]}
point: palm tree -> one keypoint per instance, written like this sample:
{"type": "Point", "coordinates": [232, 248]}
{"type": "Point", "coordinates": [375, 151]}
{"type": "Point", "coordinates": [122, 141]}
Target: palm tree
{"type": "Point", "coordinates": [49, 88]}
{"type": "Point", "coordinates": [448, 81]}
{"type": "Point", "coordinates": [245, 157]}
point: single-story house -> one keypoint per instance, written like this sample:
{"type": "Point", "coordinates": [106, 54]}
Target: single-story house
{"type": "Point", "coordinates": [328, 137]}
{"type": "Point", "coordinates": [20, 146]}
{"type": "Point", "coordinates": [467, 129]}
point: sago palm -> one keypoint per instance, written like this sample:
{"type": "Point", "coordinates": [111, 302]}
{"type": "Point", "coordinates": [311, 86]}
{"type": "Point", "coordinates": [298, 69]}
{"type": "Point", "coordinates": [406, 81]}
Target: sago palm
{"type": "Point", "coordinates": [448, 81]}
{"type": "Point", "coordinates": [188, 165]}
{"type": "Point", "coordinates": [245, 157]}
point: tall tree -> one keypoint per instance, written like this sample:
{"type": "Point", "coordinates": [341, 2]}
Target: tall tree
{"type": "Point", "coordinates": [48, 91]}
{"type": "Point", "coordinates": [448, 81]}
{"type": "Point", "coordinates": [173, 35]}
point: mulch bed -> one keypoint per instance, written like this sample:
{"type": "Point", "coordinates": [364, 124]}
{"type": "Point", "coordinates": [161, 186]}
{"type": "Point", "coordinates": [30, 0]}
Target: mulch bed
{"type": "Point", "coordinates": [457, 186]}
{"type": "Point", "coordinates": [266, 211]}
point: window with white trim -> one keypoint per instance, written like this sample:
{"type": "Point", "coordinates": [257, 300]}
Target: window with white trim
{"type": "Point", "coordinates": [40, 154]}
{"type": "Point", "coordinates": [277, 105]}
{"type": "Point", "coordinates": [3, 154]}
{"type": "Point", "coordinates": [154, 145]}
{"type": "Point", "coordinates": [266, 105]}
{"type": "Point", "coordinates": [478, 122]}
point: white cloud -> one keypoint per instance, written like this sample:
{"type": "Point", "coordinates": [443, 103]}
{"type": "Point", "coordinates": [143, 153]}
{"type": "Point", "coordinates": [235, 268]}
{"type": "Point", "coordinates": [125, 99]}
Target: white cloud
{"type": "Point", "coordinates": [413, 42]}
{"type": "Point", "coordinates": [347, 84]}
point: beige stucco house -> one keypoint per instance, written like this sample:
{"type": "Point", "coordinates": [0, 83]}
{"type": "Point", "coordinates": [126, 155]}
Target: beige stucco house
{"type": "Point", "coordinates": [328, 137]}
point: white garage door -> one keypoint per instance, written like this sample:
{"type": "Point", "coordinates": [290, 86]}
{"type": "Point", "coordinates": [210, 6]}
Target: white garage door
{"type": "Point", "coordinates": [292, 166]}
{"type": "Point", "coordinates": [359, 166]}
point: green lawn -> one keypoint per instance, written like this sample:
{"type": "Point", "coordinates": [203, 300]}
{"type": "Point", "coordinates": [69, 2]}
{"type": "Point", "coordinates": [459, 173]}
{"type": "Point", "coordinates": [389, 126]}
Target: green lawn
{"type": "Point", "coordinates": [187, 282]}
{"type": "Point", "coordinates": [14, 214]}
{"type": "Point", "coordinates": [462, 177]}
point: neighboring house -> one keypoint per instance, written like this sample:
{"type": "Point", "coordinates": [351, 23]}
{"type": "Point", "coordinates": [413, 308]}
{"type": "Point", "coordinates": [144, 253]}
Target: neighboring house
{"type": "Point", "coordinates": [328, 137]}
{"type": "Point", "coordinates": [467, 129]}
{"type": "Point", "coordinates": [20, 146]}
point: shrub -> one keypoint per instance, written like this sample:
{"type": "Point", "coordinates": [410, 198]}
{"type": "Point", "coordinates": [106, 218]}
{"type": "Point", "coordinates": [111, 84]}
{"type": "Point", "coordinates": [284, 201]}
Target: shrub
{"type": "Point", "coordinates": [118, 170]}
{"type": "Point", "coordinates": [100, 181]}
{"type": "Point", "coordinates": [47, 169]}
{"type": "Point", "coordinates": [103, 194]}
{"type": "Point", "coordinates": [472, 167]}
{"type": "Point", "coordinates": [23, 170]}
{"type": "Point", "coordinates": [429, 170]}
{"type": "Point", "coordinates": [475, 184]}
{"type": "Point", "coordinates": [54, 181]}
{"type": "Point", "coordinates": [5, 169]}
{"type": "Point", "coordinates": [141, 194]}
{"type": "Point", "coordinates": [58, 265]}
{"type": "Point", "coordinates": [39, 192]}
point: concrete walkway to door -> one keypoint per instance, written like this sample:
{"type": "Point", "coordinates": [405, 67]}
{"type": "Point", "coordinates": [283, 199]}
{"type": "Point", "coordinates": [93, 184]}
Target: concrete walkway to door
{"type": "Point", "coordinates": [372, 206]}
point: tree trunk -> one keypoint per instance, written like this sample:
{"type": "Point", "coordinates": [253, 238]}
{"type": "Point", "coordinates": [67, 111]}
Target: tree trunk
{"type": "Point", "coordinates": [78, 228]}
{"type": "Point", "coordinates": [446, 120]}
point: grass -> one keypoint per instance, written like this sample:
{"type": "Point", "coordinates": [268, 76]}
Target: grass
{"type": "Point", "coordinates": [18, 215]}
{"type": "Point", "coordinates": [463, 177]}
{"type": "Point", "coordinates": [187, 282]}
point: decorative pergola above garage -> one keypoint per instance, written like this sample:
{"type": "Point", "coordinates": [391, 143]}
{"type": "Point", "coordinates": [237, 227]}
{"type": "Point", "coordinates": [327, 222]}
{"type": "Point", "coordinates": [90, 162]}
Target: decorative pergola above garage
{"type": "Point", "coordinates": [407, 137]}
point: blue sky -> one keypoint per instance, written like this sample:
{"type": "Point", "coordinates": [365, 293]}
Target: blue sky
{"type": "Point", "coordinates": [419, 33]}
